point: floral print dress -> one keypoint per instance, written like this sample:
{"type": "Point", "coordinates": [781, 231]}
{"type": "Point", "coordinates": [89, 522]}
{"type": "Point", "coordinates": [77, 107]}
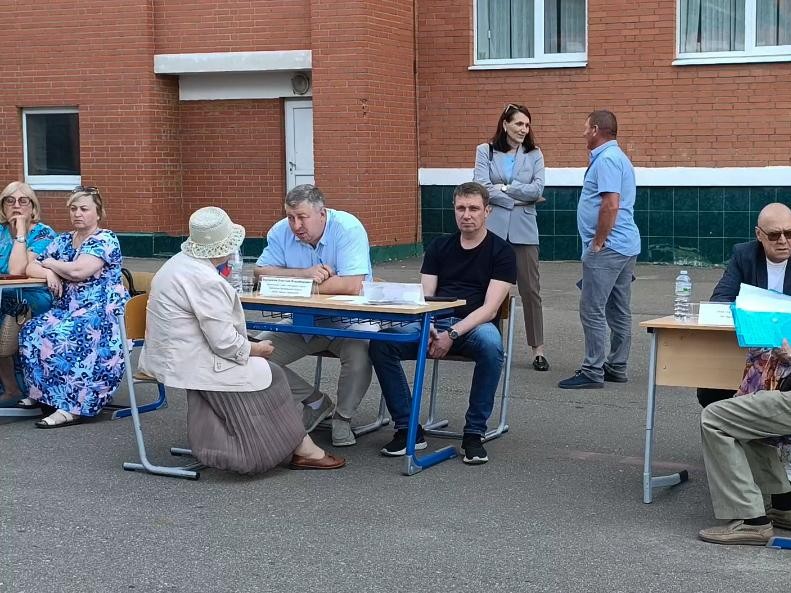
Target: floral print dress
{"type": "Point", "coordinates": [71, 355]}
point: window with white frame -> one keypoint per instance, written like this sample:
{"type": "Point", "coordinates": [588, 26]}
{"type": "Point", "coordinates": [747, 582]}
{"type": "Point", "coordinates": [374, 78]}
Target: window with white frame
{"type": "Point", "coordinates": [722, 31]}
{"type": "Point", "coordinates": [526, 33]}
{"type": "Point", "coordinates": [51, 143]}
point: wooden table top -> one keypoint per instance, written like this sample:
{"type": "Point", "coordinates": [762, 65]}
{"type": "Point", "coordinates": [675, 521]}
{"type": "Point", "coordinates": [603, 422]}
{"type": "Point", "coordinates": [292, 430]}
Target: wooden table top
{"type": "Point", "coordinates": [670, 322]}
{"type": "Point", "coordinates": [335, 302]}
{"type": "Point", "coordinates": [16, 281]}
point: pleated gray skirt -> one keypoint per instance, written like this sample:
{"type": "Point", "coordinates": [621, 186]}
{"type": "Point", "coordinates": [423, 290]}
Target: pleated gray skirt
{"type": "Point", "coordinates": [247, 432]}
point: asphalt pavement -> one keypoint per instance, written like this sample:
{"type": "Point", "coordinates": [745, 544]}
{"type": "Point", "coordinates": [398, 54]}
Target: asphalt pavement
{"type": "Point", "coordinates": [557, 509]}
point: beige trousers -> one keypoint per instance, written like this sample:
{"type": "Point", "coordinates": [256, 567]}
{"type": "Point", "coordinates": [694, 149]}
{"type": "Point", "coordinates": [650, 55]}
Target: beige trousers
{"type": "Point", "coordinates": [527, 281]}
{"type": "Point", "coordinates": [355, 375]}
{"type": "Point", "coordinates": [739, 464]}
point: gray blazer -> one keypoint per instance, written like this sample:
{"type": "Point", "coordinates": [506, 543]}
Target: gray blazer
{"type": "Point", "coordinates": [513, 216]}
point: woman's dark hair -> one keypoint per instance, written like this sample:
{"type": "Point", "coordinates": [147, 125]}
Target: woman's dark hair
{"type": "Point", "coordinates": [500, 139]}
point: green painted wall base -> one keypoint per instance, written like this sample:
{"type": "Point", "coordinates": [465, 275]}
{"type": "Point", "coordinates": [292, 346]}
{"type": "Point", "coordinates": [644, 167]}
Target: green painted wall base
{"type": "Point", "coordinates": [162, 246]}
{"type": "Point", "coordinates": [682, 225]}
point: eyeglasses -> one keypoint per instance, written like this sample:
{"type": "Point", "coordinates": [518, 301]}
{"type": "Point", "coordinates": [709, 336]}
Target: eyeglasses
{"type": "Point", "coordinates": [89, 189]}
{"type": "Point", "coordinates": [774, 236]}
{"type": "Point", "coordinates": [21, 200]}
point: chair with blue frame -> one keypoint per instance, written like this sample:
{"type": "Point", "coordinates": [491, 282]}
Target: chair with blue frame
{"type": "Point", "coordinates": [505, 323]}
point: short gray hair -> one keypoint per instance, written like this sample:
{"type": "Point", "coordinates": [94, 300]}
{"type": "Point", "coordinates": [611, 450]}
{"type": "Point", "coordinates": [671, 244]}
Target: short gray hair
{"type": "Point", "coordinates": [305, 193]}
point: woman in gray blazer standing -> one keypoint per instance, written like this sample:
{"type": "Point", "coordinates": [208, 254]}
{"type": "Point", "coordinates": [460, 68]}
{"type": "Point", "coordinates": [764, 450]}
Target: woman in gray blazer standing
{"type": "Point", "coordinates": [511, 167]}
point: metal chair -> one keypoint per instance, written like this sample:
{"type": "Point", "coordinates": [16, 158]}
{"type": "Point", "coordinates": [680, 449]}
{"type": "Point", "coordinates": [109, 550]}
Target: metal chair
{"type": "Point", "coordinates": [505, 323]}
{"type": "Point", "coordinates": [133, 327]}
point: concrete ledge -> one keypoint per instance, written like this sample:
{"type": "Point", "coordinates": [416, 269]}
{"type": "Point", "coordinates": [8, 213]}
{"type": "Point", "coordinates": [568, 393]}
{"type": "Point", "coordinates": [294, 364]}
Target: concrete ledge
{"type": "Point", "coordinates": [236, 61]}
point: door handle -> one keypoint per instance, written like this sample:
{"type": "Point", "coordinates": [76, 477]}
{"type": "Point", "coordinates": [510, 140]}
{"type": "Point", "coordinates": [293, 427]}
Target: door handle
{"type": "Point", "coordinates": [291, 166]}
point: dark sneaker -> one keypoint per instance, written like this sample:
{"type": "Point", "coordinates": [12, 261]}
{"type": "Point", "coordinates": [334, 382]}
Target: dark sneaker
{"type": "Point", "coordinates": [614, 377]}
{"type": "Point", "coordinates": [397, 447]}
{"type": "Point", "coordinates": [738, 533]}
{"type": "Point", "coordinates": [540, 363]}
{"type": "Point", "coordinates": [580, 381]}
{"type": "Point", "coordinates": [474, 453]}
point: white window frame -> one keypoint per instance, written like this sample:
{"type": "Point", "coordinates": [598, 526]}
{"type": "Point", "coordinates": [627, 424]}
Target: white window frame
{"type": "Point", "coordinates": [47, 182]}
{"type": "Point", "coordinates": [751, 52]}
{"type": "Point", "coordinates": [539, 59]}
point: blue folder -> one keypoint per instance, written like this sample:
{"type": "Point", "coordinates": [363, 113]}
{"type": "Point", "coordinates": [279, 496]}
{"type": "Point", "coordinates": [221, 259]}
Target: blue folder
{"type": "Point", "coordinates": [761, 329]}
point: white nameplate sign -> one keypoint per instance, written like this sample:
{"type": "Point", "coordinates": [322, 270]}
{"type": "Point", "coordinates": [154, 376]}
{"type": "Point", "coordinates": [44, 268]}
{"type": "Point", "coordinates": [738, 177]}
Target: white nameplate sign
{"type": "Point", "coordinates": [715, 314]}
{"type": "Point", "coordinates": [281, 286]}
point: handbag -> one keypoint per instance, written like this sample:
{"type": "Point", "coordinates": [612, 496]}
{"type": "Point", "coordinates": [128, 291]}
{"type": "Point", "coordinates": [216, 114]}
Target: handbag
{"type": "Point", "coordinates": [9, 329]}
{"type": "Point", "coordinates": [130, 283]}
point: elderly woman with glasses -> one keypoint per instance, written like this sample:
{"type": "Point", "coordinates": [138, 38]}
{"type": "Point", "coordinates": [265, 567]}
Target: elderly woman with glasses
{"type": "Point", "coordinates": [241, 413]}
{"type": "Point", "coordinates": [71, 355]}
{"type": "Point", "coordinates": [21, 233]}
{"type": "Point", "coordinates": [511, 167]}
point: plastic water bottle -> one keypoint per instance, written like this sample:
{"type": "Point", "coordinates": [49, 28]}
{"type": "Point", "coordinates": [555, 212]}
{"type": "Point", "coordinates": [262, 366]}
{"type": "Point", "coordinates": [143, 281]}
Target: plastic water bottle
{"type": "Point", "coordinates": [235, 263]}
{"type": "Point", "coordinates": [682, 307]}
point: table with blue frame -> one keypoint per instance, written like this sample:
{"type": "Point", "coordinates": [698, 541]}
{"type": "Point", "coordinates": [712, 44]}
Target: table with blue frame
{"type": "Point", "coordinates": [19, 283]}
{"type": "Point", "coordinates": [312, 316]}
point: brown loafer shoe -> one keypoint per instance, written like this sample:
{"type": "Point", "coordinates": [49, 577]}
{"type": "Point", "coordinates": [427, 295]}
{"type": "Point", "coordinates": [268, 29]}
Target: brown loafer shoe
{"type": "Point", "coordinates": [326, 462]}
{"type": "Point", "coordinates": [738, 533]}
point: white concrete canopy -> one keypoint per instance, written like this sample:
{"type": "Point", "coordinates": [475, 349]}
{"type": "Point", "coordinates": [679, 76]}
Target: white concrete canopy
{"type": "Point", "coordinates": [238, 61]}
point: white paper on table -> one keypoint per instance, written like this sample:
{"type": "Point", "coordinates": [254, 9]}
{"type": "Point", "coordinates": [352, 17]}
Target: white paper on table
{"type": "Point", "coordinates": [715, 314]}
{"type": "Point", "coordinates": [393, 293]}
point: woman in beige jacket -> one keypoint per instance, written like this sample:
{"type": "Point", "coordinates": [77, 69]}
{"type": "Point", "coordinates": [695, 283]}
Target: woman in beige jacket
{"type": "Point", "coordinates": [241, 415]}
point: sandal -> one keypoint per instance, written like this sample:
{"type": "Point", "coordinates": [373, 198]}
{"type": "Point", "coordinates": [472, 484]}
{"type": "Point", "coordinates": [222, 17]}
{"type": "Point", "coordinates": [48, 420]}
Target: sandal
{"type": "Point", "coordinates": [58, 419]}
{"type": "Point", "coordinates": [27, 404]}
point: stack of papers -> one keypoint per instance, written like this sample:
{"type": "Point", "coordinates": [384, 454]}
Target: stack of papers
{"type": "Point", "coordinates": [762, 317]}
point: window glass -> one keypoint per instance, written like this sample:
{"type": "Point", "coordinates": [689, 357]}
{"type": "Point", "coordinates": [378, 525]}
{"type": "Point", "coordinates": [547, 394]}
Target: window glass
{"type": "Point", "coordinates": [53, 143]}
{"type": "Point", "coordinates": [773, 22]}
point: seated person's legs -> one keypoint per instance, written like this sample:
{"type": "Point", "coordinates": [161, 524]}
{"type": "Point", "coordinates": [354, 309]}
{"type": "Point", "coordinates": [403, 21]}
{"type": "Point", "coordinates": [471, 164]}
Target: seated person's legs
{"type": "Point", "coordinates": [740, 465]}
{"type": "Point", "coordinates": [353, 383]}
{"type": "Point", "coordinates": [484, 345]}
{"type": "Point", "coordinates": [709, 396]}
{"type": "Point", "coordinates": [386, 358]}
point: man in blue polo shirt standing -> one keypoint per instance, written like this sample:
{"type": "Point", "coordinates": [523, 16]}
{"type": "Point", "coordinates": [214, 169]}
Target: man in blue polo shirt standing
{"type": "Point", "coordinates": [610, 246]}
{"type": "Point", "coordinates": [330, 247]}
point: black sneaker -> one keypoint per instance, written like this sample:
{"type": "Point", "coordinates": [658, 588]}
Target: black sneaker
{"type": "Point", "coordinates": [474, 453]}
{"type": "Point", "coordinates": [397, 447]}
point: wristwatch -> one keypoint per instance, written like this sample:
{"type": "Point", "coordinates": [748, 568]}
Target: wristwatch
{"type": "Point", "coordinates": [453, 334]}
{"type": "Point", "coordinates": [20, 239]}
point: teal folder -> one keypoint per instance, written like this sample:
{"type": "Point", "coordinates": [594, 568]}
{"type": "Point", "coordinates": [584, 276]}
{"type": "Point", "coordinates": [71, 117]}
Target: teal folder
{"type": "Point", "coordinates": [761, 329]}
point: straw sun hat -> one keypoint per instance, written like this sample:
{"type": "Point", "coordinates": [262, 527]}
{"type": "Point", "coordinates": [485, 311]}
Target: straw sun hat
{"type": "Point", "coordinates": [212, 234]}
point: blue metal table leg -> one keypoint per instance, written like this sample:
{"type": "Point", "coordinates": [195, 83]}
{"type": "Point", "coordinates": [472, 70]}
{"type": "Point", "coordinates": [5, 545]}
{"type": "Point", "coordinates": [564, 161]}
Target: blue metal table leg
{"type": "Point", "coordinates": [412, 463]}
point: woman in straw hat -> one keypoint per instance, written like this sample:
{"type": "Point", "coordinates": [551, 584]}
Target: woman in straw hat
{"type": "Point", "coordinates": [241, 414]}
{"type": "Point", "coordinates": [71, 355]}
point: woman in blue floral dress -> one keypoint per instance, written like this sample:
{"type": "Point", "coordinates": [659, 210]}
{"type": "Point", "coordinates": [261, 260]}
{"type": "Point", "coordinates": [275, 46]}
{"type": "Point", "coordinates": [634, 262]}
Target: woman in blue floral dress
{"type": "Point", "coordinates": [71, 356]}
{"type": "Point", "coordinates": [21, 232]}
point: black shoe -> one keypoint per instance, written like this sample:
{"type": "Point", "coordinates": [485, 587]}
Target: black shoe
{"type": "Point", "coordinates": [580, 381]}
{"type": "Point", "coordinates": [613, 378]}
{"type": "Point", "coordinates": [540, 363]}
{"type": "Point", "coordinates": [397, 447]}
{"type": "Point", "coordinates": [474, 453]}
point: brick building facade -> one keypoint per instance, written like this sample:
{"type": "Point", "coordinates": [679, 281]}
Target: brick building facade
{"type": "Point", "coordinates": [184, 105]}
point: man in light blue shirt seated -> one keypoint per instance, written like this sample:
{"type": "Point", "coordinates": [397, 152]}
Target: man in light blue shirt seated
{"type": "Point", "coordinates": [610, 246]}
{"type": "Point", "coordinates": [330, 247]}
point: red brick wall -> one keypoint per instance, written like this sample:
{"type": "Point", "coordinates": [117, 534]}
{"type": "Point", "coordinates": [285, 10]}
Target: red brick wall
{"type": "Point", "coordinates": [704, 116]}
{"type": "Point", "coordinates": [233, 157]}
{"type": "Point", "coordinates": [233, 25]}
{"type": "Point", "coordinates": [364, 120]}
{"type": "Point", "coordinates": [55, 56]}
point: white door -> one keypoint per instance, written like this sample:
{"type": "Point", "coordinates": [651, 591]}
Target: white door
{"type": "Point", "coordinates": [299, 142]}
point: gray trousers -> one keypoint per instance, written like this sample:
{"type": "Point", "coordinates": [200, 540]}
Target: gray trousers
{"type": "Point", "coordinates": [355, 375]}
{"type": "Point", "coordinates": [605, 301]}
{"type": "Point", "coordinates": [527, 280]}
{"type": "Point", "coordinates": [739, 464]}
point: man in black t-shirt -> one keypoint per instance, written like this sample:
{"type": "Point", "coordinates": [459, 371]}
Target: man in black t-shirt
{"type": "Point", "coordinates": [479, 267]}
